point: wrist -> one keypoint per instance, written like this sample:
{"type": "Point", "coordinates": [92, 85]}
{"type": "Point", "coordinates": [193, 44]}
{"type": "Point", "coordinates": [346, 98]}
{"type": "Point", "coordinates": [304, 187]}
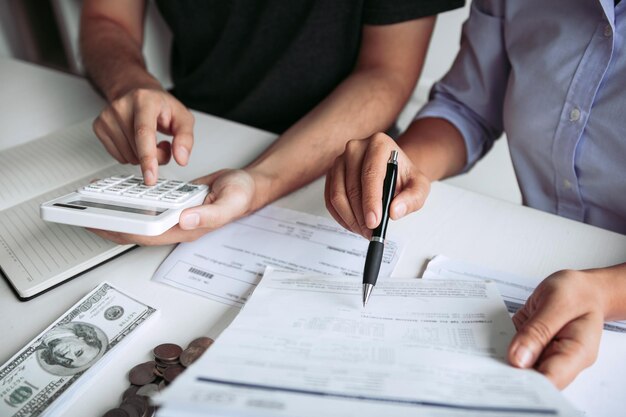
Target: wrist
{"type": "Point", "coordinates": [264, 187]}
{"type": "Point", "coordinates": [134, 78]}
{"type": "Point", "coordinates": [610, 283]}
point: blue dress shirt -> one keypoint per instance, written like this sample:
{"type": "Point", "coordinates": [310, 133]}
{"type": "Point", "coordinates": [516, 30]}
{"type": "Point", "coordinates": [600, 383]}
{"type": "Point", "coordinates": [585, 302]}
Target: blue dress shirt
{"type": "Point", "coordinates": [552, 75]}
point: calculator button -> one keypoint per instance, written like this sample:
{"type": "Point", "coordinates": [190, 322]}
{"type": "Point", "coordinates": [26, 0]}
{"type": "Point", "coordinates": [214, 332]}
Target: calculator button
{"type": "Point", "coordinates": [120, 177]}
{"type": "Point", "coordinates": [93, 189]}
{"type": "Point", "coordinates": [114, 190]}
{"type": "Point", "coordinates": [171, 199]}
{"type": "Point", "coordinates": [187, 188]}
{"type": "Point", "coordinates": [132, 193]}
{"type": "Point", "coordinates": [151, 195]}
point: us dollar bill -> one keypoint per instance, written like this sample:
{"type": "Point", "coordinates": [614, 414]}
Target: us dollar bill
{"type": "Point", "coordinates": [47, 373]}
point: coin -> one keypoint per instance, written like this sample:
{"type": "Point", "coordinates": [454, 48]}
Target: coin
{"type": "Point", "coordinates": [190, 355]}
{"type": "Point", "coordinates": [139, 403]}
{"type": "Point", "coordinates": [151, 411]}
{"type": "Point", "coordinates": [203, 342]}
{"type": "Point", "coordinates": [116, 412]}
{"type": "Point", "coordinates": [148, 390]}
{"type": "Point", "coordinates": [132, 410]}
{"type": "Point", "coordinates": [167, 352]}
{"type": "Point", "coordinates": [172, 372]}
{"type": "Point", "coordinates": [142, 374]}
{"type": "Point", "coordinates": [132, 390]}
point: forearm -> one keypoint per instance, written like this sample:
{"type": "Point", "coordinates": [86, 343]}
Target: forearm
{"type": "Point", "coordinates": [612, 285]}
{"type": "Point", "coordinates": [435, 146]}
{"type": "Point", "coordinates": [112, 58]}
{"type": "Point", "coordinates": [366, 102]}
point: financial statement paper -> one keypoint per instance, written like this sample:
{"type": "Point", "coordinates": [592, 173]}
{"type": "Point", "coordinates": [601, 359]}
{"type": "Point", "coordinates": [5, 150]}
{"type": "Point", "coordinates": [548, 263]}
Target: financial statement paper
{"type": "Point", "coordinates": [599, 390]}
{"type": "Point", "coordinates": [226, 264]}
{"type": "Point", "coordinates": [305, 346]}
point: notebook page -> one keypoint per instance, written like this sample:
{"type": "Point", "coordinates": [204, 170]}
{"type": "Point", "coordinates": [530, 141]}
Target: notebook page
{"type": "Point", "coordinates": [49, 162]}
{"type": "Point", "coordinates": [33, 251]}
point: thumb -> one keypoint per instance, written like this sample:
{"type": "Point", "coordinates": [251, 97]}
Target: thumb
{"type": "Point", "coordinates": [225, 203]}
{"type": "Point", "coordinates": [411, 198]}
{"type": "Point", "coordinates": [536, 333]}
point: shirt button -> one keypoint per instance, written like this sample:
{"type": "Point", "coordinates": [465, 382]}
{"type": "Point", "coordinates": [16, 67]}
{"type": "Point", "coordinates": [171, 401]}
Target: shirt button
{"type": "Point", "coordinates": [608, 31]}
{"type": "Point", "coordinates": [574, 115]}
{"type": "Point", "coordinates": [567, 184]}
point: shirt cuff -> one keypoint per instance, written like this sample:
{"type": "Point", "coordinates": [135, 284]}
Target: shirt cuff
{"type": "Point", "coordinates": [472, 133]}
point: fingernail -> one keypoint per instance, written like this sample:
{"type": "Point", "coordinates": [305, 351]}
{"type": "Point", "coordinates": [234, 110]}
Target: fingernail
{"type": "Point", "coordinates": [148, 176]}
{"type": "Point", "coordinates": [190, 221]}
{"type": "Point", "coordinates": [400, 210]}
{"type": "Point", "coordinates": [183, 154]}
{"type": "Point", "coordinates": [370, 220]}
{"type": "Point", "coordinates": [523, 356]}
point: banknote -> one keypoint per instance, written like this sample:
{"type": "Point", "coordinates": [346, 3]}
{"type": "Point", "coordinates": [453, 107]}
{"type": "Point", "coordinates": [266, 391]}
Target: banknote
{"type": "Point", "coordinates": [44, 377]}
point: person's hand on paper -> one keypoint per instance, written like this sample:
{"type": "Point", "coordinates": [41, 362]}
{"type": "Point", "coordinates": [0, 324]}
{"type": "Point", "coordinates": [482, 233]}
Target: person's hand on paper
{"type": "Point", "coordinates": [128, 126]}
{"type": "Point", "coordinates": [354, 184]}
{"type": "Point", "coordinates": [560, 326]}
{"type": "Point", "coordinates": [234, 194]}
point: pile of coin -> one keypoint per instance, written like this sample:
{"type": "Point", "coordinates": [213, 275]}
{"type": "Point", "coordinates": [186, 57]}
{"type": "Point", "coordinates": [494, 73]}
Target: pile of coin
{"type": "Point", "coordinates": [149, 378]}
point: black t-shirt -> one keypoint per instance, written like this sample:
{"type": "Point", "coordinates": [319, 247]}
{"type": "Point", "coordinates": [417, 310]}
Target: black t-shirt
{"type": "Point", "coordinates": [266, 63]}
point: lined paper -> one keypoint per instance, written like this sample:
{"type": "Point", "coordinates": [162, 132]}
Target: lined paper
{"type": "Point", "coordinates": [49, 162]}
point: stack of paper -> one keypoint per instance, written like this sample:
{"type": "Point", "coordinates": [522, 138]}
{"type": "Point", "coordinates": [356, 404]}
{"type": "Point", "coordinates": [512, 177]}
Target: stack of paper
{"type": "Point", "coordinates": [598, 391]}
{"type": "Point", "coordinates": [304, 346]}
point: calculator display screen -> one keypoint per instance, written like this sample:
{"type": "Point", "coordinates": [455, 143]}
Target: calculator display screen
{"type": "Point", "coordinates": [151, 211]}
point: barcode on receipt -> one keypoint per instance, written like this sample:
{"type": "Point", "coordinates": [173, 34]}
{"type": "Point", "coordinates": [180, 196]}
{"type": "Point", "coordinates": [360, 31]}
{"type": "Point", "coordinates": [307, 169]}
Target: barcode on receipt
{"type": "Point", "coordinates": [200, 272]}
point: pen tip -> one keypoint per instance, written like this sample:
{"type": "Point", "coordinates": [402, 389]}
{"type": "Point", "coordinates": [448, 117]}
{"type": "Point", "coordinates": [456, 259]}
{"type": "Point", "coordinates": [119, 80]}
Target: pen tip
{"type": "Point", "coordinates": [367, 290]}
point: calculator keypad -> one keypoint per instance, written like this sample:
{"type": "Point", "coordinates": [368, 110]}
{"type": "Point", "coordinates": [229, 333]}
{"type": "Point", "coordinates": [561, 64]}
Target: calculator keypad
{"type": "Point", "coordinates": [132, 188]}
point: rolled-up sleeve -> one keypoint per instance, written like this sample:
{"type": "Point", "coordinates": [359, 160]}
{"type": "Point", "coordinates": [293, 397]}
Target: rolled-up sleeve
{"type": "Point", "coordinates": [471, 94]}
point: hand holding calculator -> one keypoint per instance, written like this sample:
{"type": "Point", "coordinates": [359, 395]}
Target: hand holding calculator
{"type": "Point", "coordinates": [123, 203]}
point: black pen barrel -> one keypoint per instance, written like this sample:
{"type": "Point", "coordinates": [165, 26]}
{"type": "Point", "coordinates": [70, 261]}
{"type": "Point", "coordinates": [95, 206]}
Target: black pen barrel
{"type": "Point", "coordinates": [372, 262]}
{"type": "Point", "coordinates": [389, 189]}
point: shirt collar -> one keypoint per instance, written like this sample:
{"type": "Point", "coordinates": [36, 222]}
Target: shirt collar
{"type": "Point", "coordinates": [608, 6]}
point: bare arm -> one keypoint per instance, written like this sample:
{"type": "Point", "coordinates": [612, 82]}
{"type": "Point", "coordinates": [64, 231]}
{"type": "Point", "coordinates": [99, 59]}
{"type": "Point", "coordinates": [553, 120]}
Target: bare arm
{"type": "Point", "coordinates": [367, 101]}
{"type": "Point", "coordinates": [111, 40]}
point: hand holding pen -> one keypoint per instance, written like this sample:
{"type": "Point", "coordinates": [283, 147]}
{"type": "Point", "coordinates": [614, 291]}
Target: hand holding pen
{"type": "Point", "coordinates": [354, 185]}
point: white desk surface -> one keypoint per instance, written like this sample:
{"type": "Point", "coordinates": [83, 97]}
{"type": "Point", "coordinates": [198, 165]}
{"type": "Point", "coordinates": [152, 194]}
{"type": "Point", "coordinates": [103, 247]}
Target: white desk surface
{"type": "Point", "coordinates": [458, 223]}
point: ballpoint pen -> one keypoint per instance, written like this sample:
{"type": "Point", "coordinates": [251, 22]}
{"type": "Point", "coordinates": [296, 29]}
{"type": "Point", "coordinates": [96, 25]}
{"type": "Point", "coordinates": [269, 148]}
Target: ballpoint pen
{"type": "Point", "coordinates": [377, 242]}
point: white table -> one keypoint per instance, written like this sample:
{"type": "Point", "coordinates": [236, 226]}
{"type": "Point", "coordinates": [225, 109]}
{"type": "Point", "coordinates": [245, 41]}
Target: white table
{"type": "Point", "coordinates": [454, 222]}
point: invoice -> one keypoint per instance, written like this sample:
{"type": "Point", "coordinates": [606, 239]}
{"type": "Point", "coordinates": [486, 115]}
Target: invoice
{"type": "Point", "coordinates": [226, 264]}
{"type": "Point", "coordinates": [304, 346]}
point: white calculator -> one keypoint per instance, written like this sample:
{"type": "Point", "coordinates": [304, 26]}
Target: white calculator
{"type": "Point", "coordinates": [123, 203]}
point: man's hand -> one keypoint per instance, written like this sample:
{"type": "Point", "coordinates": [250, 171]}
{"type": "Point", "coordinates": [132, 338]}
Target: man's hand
{"type": "Point", "coordinates": [127, 128]}
{"type": "Point", "coordinates": [234, 194]}
{"type": "Point", "coordinates": [354, 185]}
{"type": "Point", "coordinates": [560, 326]}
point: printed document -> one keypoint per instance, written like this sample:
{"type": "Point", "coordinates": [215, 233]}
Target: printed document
{"type": "Point", "coordinates": [226, 264]}
{"type": "Point", "coordinates": [599, 390]}
{"type": "Point", "coordinates": [305, 346]}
